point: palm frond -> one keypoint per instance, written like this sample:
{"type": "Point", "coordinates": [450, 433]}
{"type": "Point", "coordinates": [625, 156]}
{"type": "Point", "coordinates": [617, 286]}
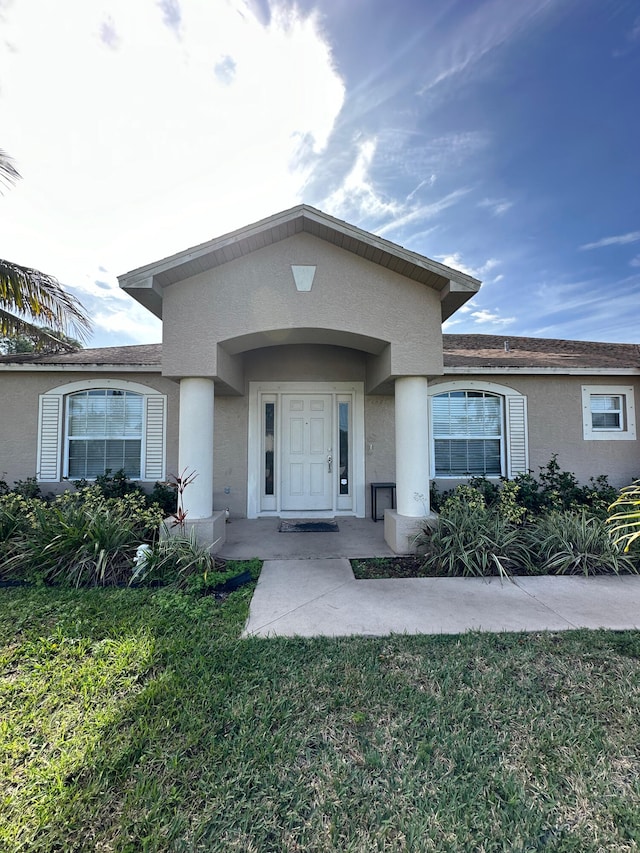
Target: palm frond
{"type": "Point", "coordinates": [29, 297]}
{"type": "Point", "coordinates": [8, 172]}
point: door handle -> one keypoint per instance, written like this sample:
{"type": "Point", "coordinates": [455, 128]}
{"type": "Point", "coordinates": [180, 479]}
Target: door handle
{"type": "Point", "coordinates": [329, 461]}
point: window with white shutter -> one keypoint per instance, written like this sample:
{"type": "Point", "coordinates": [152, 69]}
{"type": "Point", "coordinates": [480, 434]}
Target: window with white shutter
{"type": "Point", "coordinates": [478, 429]}
{"type": "Point", "coordinates": [87, 428]}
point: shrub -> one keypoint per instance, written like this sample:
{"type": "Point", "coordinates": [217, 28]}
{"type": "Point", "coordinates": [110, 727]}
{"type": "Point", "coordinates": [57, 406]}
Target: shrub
{"type": "Point", "coordinates": [173, 559]}
{"type": "Point", "coordinates": [463, 498]}
{"type": "Point", "coordinates": [625, 521]}
{"type": "Point", "coordinates": [83, 538]}
{"type": "Point", "coordinates": [473, 542]}
{"type": "Point", "coordinates": [526, 496]}
{"type": "Point", "coordinates": [118, 485]}
{"type": "Point", "coordinates": [569, 543]}
{"type": "Point", "coordinates": [165, 495]}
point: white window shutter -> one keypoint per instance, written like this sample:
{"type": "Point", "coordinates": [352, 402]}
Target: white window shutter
{"type": "Point", "coordinates": [49, 459]}
{"type": "Point", "coordinates": [517, 441]}
{"type": "Point", "coordinates": [155, 428]}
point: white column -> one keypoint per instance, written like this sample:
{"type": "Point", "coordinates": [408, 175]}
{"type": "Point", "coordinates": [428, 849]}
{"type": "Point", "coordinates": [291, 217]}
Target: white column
{"type": "Point", "coordinates": [195, 447]}
{"type": "Point", "coordinates": [412, 446]}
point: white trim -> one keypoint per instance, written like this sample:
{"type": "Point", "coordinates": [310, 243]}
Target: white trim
{"type": "Point", "coordinates": [543, 371]}
{"type": "Point", "coordinates": [254, 443]}
{"type": "Point", "coordinates": [628, 430]}
{"type": "Point", "coordinates": [79, 368]}
{"type": "Point", "coordinates": [515, 438]}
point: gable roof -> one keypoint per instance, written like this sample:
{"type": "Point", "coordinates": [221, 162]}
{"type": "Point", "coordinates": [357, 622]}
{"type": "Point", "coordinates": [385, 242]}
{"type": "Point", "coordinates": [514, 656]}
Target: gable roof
{"type": "Point", "coordinates": [145, 284]}
{"type": "Point", "coordinates": [462, 354]}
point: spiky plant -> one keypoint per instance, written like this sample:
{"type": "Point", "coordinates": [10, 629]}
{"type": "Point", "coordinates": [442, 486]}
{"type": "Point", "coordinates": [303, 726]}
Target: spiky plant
{"type": "Point", "coordinates": [625, 521]}
{"type": "Point", "coordinates": [571, 543]}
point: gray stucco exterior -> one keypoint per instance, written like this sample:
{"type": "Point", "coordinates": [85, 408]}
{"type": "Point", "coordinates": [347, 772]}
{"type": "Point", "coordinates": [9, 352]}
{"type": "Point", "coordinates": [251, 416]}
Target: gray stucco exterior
{"type": "Point", "coordinates": [234, 314]}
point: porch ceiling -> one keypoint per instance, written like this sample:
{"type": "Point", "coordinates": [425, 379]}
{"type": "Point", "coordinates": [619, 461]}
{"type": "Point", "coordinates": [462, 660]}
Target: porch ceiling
{"type": "Point", "coordinates": [145, 284]}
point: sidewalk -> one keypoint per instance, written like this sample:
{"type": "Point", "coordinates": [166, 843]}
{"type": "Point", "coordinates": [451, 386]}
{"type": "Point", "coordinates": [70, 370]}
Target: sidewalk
{"type": "Point", "coordinates": [321, 598]}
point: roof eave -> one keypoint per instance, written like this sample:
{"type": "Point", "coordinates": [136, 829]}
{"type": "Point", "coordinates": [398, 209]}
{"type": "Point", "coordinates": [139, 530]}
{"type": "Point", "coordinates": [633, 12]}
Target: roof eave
{"type": "Point", "coordinates": [145, 284]}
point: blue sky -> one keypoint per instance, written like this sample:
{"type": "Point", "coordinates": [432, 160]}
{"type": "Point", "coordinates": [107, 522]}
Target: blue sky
{"type": "Point", "coordinates": [499, 137]}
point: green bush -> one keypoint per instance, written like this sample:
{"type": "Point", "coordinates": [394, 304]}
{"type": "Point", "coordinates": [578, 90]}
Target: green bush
{"type": "Point", "coordinates": [624, 523]}
{"type": "Point", "coordinates": [473, 543]}
{"type": "Point", "coordinates": [177, 559]}
{"type": "Point", "coordinates": [570, 543]}
{"type": "Point", "coordinates": [526, 496]}
{"type": "Point", "coordinates": [82, 538]}
{"type": "Point", "coordinates": [476, 541]}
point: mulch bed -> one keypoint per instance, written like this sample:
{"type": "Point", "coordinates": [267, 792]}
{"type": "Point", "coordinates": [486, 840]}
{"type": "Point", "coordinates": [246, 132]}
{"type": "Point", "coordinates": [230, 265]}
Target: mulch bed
{"type": "Point", "coordinates": [409, 566]}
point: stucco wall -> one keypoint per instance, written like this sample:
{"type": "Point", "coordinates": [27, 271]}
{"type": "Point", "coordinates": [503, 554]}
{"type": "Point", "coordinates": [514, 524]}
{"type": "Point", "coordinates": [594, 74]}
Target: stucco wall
{"type": "Point", "coordinates": [230, 454]}
{"type": "Point", "coordinates": [302, 363]}
{"type": "Point", "coordinates": [554, 420]}
{"type": "Point", "coordinates": [19, 397]}
{"type": "Point", "coordinates": [257, 294]}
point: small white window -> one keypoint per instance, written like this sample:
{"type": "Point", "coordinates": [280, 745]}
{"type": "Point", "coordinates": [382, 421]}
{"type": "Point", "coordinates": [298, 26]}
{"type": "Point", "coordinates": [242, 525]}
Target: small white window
{"type": "Point", "coordinates": [608, 413]}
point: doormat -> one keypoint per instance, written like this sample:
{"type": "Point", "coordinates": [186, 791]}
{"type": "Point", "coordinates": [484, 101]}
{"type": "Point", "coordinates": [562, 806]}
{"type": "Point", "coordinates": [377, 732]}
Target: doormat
{"type": "Point", "coordinates": [308, 527]}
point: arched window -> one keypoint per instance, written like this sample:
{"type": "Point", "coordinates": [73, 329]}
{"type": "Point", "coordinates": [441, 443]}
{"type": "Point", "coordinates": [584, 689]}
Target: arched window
{"type": "Point", "coordinates": [477, 429]}
{"type": "Point", "coordinates": [86, 428]}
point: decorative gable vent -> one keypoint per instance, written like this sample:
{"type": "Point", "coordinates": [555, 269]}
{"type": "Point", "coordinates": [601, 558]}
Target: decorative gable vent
{"type": "Point", "coordinates": [303, 277]}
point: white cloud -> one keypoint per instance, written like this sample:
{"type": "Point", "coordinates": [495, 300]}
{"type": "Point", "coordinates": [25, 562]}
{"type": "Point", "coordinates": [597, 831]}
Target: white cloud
{"type": "Point", "coordinates": [133, 322]}
{"type": "Point", "coordinates": [635, 262]}
{"type": "Point", "coordinates": [455, 262]}
{"type": "Point", "coordinates": [618, 240]}
{"type": "Point", "coordinates": [357, 192]}
{"type": "Point", "coordinates": [490, 25]}
{"type": "Point", "coordinates": [497, 206]}
{"type": "Point", "coordinates": [155, 127]}
{"type": "Point", "coordinates": [491, 317]}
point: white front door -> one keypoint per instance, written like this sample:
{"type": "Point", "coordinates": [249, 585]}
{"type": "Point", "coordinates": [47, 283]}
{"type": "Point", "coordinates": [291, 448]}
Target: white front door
{"type": "Point", "coordinates": [307, 452]}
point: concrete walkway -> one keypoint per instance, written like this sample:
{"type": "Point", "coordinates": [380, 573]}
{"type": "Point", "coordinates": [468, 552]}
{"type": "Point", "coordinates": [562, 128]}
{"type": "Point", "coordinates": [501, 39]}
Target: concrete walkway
{"type": "Point", "coordinates": [321, 598]}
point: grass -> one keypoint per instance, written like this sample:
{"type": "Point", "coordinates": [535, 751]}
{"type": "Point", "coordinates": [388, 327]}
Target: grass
{"type": "Point", "coordinates": [137, 720]}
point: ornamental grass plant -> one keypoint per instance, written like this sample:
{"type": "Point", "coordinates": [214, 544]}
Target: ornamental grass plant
{"type": "Point", "coordinates": [81, 538]}
{"type": "Point", "coordinates": [473, 543]}
{"type": "Point", "coordinates": [625, 521]}
{"type": "Point", "coordinates": [483, 530]}
{"type": "Point", "coordinates": [572, 543]}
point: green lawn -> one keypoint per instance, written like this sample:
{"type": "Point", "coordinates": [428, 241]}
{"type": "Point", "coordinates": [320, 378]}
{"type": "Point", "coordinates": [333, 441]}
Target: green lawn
{"type": "Point", "coordinates": [134, 720]}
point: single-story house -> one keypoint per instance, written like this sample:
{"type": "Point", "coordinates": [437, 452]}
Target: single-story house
{"type": "Point", "coordinates": [302, 360]}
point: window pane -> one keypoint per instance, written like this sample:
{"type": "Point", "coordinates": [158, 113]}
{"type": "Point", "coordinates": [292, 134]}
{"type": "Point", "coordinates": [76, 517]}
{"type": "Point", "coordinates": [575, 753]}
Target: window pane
{"type": "Point", "coordinates": [90, 459]}
{"type": "Point", "coordinates": [104, 432]}
{"type": "Point", "coordinates": [461, 413]}
{"type": "Point", "coordinates": [467, 429]}
{"type": "Point", "coordinates": [269, 428]}
{"type": "Point", "coordinates": [343, 415]}
{"type": "Point", "coordinates": [460, 457]}
{"type": "Point", "coordinates": [604, 403]}
{"type": "Point", "coordinates": [606, 411]}
{"type": "Point", "coordinates": [605, 420]}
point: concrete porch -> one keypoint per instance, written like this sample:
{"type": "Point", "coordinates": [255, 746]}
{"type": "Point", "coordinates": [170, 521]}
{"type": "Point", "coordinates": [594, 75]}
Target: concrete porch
{"type": "Point", "coordinates": [357, 537]}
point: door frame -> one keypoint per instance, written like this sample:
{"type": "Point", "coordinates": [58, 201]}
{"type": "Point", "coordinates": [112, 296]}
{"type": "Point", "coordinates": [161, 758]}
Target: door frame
{"type": "Point", "coordinates": [275, 390]}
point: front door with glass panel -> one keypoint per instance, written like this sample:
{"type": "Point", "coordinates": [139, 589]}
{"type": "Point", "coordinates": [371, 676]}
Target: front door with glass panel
{"type": "Point", "coordinates": [307, 452]}
{"type": "Point", "coordinates": [306, 449]}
